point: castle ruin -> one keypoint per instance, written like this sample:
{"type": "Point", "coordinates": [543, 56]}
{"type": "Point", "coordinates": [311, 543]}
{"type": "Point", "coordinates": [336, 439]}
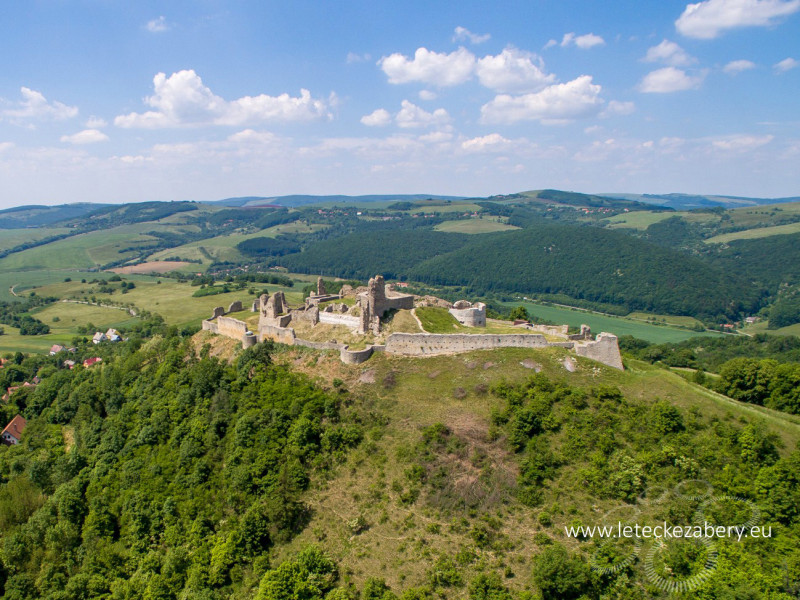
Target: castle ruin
{"type": "Point", "coordinates": [374, 302]}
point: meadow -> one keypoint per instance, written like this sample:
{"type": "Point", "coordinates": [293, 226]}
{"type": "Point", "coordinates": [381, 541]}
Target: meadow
{"type": "Point", "coordinates": [474, 226]}
{"type": "Point", "coordinates": [86, 250]}
{"type": "Point", "coordinates": [223, 248]}
{"type": "Point", "coordinates": [170, 299]}
{"type": "Point", "coordinates": [616, 325]}
{"type": "Point", "coordinates": [14, 237]}
{"type": "Point", "coordinates": [640, 219]}
{"type": "Point", "coordinates": [755, 233]}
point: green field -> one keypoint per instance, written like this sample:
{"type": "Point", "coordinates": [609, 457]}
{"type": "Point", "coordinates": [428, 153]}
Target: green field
{"type": "Point", "coordinates": [223, 247]}
{"type": "Point", "coordinates": [666, 319]}
{"type": "Point", "coordinates": [25, 280]}
{"type": "Point", "coordinates": [474, 226]}
{"type": "Point", "coordinates": [70, 316]}
{"type": "Point", "coordinates": [616, 325]}
{"type": "Point", "coordinates": [640, 219]}
{"type": "Point", "coordinates": [84, 251]}
{"type": "Point", "coordinates": [761, 327]}
{"type": "Point", "coordinates": [170, 299]}
{"type": "Point", "coordinates": [13, 237]}
{"type": "Point", "coordinates": [752, 234]}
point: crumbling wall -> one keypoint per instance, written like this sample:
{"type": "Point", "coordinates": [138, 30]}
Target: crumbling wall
{"type": "Point", "coordinates": [339, 319]}
{"type": "Point", "coordinates": [585, 334]}
{"type": "Point", "coordinates": [282, 335]}
{"type": "Point", "coordinates": [560, 330]}
{"type": "Point", "coordinates": [604, 349]}
{"type": "Point", "coordinates": [355, 357]}
{"type": "Point", "coordinates": [209, 325]}
{"type": "Point", "coordinates": [427, 344]}
{"type": "Point", "coordinates": [230, 327]}
{"type": "Point", "coordinates": [468, 314]}
{"type": "Point", "coordinates": [235, 306]}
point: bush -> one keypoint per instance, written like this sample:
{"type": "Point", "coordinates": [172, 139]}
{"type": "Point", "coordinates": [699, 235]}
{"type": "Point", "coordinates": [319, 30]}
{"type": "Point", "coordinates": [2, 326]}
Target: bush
{"type": "Point", "coordinates": [559, 575]}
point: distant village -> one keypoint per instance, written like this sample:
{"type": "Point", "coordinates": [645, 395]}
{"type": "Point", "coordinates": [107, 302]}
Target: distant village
{"type": "Point", "coordinates": [12, 433]}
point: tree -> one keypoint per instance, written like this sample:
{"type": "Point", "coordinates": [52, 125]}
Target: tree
{"type": "Point", "coordinates": [559, 575]}
{"type": "Point", "coordinates": [519, 313]}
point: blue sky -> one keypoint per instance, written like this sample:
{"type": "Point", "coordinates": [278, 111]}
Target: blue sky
{"type": "Point", "coordinates": [109, 101]}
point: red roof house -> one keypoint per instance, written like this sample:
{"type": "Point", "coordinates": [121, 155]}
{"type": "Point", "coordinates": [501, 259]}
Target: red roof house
{"type": "Point", "coordinates": [12, 434]}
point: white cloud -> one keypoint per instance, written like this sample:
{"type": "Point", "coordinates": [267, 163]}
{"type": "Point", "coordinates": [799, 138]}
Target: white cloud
{"type": "Point", "coordinates": [787, 64]}
{"type": "Point", "coordinates": [463, 34]}
{"type": "Point", "coordinates": [708, 19]}
{"type": "Point", "coordinates": [584, 42]}
{"type": "Point", "coordinates": [95, 122]}
{"type": "Point", "coordinates": [35, 106]}
{"type": "Point", "coordinates": [437, 69]}
{"type": "Point", "coordinates": [158, 25]}
{"type": "Point", "coordinates": [669, 79]}
{"type": "Point", "coordinates": [669, 53]}
{"type": "Point", "coordinates": [6, 146]}
{"type": "Point", "coordinates": [742, 142]}
{"type": "Point", "coordinates": [737, 66]}
{"type": "Point", "coordinates": [556, 103]}
{"type": "Point", "coordinates": [377, 118]}
{"type": "Point", "coordinates": [436, 137]}
{"type": "Point", "coordinates": [513, 71]}
{"type": "Point", "coordinates": [617, 108]}
{"type": "Point", "coordinates": [427, 95]}
{"type": "Point", "coordinates": [250, 136]}
{"type": "Point", "coordinates": [183, 100]}
{"type": "Point", "coordinates": [494, 142]}
{"type": "Point", "coordinates": [87, 136]}
{"type": "Point", "coordinates": [353, 57]}
{"type": "Point", "coordinates": [411, 116]}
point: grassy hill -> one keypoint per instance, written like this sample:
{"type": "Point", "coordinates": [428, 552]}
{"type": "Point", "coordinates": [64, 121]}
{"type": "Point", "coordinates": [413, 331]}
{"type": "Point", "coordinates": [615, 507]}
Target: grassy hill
{"type": "Point", "coordinates": [445, 477]}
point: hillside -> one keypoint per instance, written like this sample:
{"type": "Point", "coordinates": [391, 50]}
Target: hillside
{"type": "Point", "coordinates": [166, 472]}
{"type": "Point", "coordinates": [43, 216]}
{"type": "Point", "coordinates": [583, 263]}
{"type": "Point", "coordinates": [693, 201]}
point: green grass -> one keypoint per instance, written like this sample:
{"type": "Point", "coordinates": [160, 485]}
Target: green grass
{"type": "Point", "coordinates": [13, 237]}
{"type": "Point", "coordinates": [473, 226]}
{"type": "Point", "coordinates": [752, 234]}
{"type": "Point", "coordinates": [640, 219]}
{"type": "Point", "coordinates": [666, 319]}
{"type": "Point", "coordinates": [223, 247]}
{"type": "Point", "coordinates": [84, 251]}
{"type": "Point", "coordinates": [761, 327]}
{"type": "Point", "coordinates": [170, 299]}
{"type": "Point", "coordinates": [616, 325]}
{"type": "Point", "coordinates": [71, 315]}
{"type": "Point", "coordinates": [25, 280]}
{"type": "Point", "coordinates": [438, 320]}
{"type": "Point", "coordinates": [367, 484]}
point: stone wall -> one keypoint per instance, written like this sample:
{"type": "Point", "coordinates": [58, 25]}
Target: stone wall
{"type": "Point", "coordinates": [339, 319]}
{"type": "Point", "coordinates": [211, 326]}
{"type": "Point", "coordinates": [427, 344]}
{"type": "Point", "coordinates": [585, 334]}
{"type": "Point", "coordinates": [470, 316]}
{"type": "Point", "coordinates": [232, 328]}
{"type": "Point", "coordinates": [282, 335]}
{"type": "Point", "coordinates": [318, 345]}
{"type": "Point", "coordinates": [604, 349]}
{"type": "Point", "coordinates": [551, 329]}
{"type": "Point", "coordinates": [355, 357]}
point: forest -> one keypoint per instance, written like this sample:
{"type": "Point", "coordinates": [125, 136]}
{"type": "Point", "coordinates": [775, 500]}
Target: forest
{"type": "Point", "coordinates": [167, 473]}
{"type": "Point", "coordinates": [584, 263]}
